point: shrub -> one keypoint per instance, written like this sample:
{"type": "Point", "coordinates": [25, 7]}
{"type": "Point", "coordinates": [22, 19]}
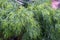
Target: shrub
{"type": "Point", "coordinates": [38, 22]}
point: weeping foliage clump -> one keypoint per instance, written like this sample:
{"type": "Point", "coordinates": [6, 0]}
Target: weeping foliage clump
{"type": "Point", "coordinates": [48, 20]}
{"type": "Point", "coordinates": [15, 19]}
{"type": "Point", "coordinates": [38, 22]}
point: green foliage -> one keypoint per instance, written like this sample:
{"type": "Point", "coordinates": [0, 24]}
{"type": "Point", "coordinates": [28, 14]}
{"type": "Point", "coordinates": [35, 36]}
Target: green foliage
{"type": "Point", "coordinates": [48, 20]}
{"type": "Point", "coordinates": [14, 19]}
{"type": "Point", "coordinates": [36, 22]}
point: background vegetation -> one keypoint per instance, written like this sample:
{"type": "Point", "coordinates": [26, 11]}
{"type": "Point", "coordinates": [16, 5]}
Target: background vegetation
{"type": "Point", "coordinates": [36, 22]}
